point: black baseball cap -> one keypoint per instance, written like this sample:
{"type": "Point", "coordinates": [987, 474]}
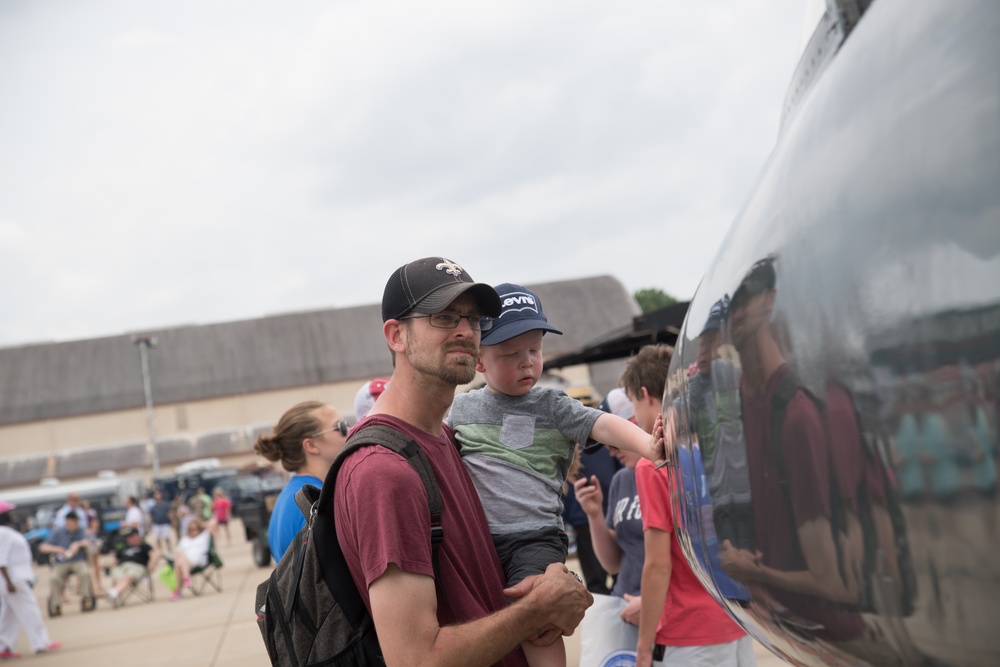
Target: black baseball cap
{"type": "Point", "coordinates": [430, 285]}
{"type": "Point", "coordinates": [129, 532]}
{"type": "Point", "coordinates": [760, 278]}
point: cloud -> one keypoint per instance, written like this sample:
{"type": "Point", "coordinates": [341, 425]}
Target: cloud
{"type": "Point", "coordinates": [140, 39]}
{"type": "Point", "coordinates": [206, 163]}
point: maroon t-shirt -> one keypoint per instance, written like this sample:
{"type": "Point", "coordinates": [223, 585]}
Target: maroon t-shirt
{"type": "Point", "coordinates": [805, 452]}
{"type": "Point", "coordinates": [381, 514]}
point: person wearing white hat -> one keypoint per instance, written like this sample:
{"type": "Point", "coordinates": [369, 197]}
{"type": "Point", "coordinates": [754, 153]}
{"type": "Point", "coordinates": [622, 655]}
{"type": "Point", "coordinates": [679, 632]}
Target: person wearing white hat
{"type": "Point", "coordinates": [18, 606]}
{"type": "Point", "coordinates": [365, 399]}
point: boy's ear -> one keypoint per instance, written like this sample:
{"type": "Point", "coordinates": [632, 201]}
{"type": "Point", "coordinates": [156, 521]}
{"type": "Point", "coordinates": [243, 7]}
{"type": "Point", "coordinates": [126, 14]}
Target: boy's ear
{"type": "Point", "coordinates": [479, 364]}
{"type": "Point", "coordinates": [643, 394]}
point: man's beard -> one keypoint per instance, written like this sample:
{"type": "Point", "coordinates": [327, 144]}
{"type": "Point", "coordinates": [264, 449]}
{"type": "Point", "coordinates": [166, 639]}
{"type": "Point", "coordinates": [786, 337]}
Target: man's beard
{"type": "Point", "coordinates": [461, 371]}
{"type": "Point", "coordinates": [459, 374]}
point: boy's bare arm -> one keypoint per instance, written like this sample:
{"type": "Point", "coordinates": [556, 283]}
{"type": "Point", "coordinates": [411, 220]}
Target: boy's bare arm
{"type": "Point", "coordinates": [655, 584]}
{"type": "Point", "coordinates": [612, 430]}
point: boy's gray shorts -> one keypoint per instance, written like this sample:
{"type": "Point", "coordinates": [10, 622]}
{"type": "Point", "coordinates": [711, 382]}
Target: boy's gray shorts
{"type": "Point", "coordinates": [530, 552]}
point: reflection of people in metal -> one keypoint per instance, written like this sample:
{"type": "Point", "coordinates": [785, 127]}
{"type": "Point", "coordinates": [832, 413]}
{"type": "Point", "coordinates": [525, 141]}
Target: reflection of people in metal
{"type": "Point", "coordinates": [796, 558]}
{"type": "Point", "coordinates": [714, 404]}
{"type": "Point", "coordinates": [942, 448]}
{"type": "Point", "coordinates": [692, 627]}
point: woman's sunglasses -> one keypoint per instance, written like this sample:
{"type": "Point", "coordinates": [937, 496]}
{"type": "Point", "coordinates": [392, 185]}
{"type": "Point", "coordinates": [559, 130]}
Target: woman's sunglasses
{"type": "Point", "coordinates": [339, 426]}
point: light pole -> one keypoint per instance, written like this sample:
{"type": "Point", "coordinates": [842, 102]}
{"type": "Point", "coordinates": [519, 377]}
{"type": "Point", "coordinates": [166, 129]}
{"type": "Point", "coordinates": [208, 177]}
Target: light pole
{"type": "Point", "coordinates": [145, 343]}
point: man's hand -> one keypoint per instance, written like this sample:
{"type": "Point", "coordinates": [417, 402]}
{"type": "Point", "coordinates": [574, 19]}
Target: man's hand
{"type": "Point", "coordinates": [632, 610]}
{"type": "Point", "coordinates": [560, 596]}
{"type": "Point", "coordinates": [589, 495]}
{"type": "Point", "coordinates": [545, 636]}
{"type": "Point", "coordinates": [740, 564]}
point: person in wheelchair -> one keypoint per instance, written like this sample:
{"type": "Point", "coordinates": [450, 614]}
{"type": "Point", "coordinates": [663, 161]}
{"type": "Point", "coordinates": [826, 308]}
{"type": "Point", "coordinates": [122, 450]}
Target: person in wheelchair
{"type": "Point", "coordinates": [134, 561]}
{"type": "Point", "coordinates": [68, 546]}
{"type": "Point", "coordinates": [191, 553]}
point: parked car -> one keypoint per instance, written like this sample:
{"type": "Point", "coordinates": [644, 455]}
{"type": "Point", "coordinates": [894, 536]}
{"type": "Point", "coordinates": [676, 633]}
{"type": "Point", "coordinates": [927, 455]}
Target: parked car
{"type": "Point", "coordinates": [253, 495]}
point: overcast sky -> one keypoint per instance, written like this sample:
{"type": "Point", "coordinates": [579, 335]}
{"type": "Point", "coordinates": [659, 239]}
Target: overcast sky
{"type": "Point", "coordinates": [175, 163]}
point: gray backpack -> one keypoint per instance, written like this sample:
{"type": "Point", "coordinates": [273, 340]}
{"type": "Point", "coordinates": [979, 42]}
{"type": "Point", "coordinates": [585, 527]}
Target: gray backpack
{"type": "Point", "coordinates": [309, 611]}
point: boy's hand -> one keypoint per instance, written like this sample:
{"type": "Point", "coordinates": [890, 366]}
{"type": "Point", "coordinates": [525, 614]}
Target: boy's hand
{"type": "Point", "coordinates": [657, 446]}
{"type": "Point", "coordinates": [589, 495]}
{"type": "Point", "coordinates": [632, 610]}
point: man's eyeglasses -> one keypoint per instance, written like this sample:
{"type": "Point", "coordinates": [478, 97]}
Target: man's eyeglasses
{"type": "Point", "coordinates": [339, 426]}
{"type": "Point", "coordinates": [452, 320]}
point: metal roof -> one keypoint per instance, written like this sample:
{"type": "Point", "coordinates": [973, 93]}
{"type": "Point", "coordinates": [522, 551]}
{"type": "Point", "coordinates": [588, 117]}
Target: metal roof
{"type": "Point", "coordinates": [190, 363]}
{"type": "Point", "coordinates": [658, 326]}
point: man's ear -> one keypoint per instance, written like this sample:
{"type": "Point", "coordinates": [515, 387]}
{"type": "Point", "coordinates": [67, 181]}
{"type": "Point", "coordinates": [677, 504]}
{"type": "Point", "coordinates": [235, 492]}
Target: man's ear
{"type": "Point", "coordinates": [395, 336]}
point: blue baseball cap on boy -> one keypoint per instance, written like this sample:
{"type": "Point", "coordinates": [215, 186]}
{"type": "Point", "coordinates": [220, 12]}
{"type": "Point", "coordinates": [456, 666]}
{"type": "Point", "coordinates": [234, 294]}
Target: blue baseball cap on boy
{"type": "Point", "coordinates": [520, 312]}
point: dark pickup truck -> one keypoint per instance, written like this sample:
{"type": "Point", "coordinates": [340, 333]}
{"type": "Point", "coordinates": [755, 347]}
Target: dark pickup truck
{"type": "Point", "coordinates": [253, 497]}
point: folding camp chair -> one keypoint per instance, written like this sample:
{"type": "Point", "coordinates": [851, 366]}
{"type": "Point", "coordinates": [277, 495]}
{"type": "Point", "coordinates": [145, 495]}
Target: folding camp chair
{"type": "Point", "coordinates": [87, 600]}
{"type": "Point", "coordinates": [210, 574]}
{"type": "Point", "coordinates": [141, 590]}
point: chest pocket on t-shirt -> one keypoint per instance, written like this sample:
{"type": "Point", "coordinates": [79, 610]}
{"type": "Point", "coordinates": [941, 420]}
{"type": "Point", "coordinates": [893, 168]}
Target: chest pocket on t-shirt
{"type": "Point", "coordinates": [517, 431]}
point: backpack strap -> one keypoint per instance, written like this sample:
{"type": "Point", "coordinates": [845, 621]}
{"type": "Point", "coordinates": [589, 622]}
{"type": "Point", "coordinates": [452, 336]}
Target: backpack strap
{"type": "Point", "coordinates": [325, 534]}
{"type": "Point", "coordinates": [306, 498]}
{"type": "Point", "coordinates": [783, 395]}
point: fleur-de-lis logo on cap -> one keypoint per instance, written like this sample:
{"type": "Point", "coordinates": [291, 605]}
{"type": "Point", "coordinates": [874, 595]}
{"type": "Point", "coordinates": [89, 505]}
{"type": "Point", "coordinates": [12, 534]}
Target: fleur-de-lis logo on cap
{"type": "Point", "coordinates": [449, 267]}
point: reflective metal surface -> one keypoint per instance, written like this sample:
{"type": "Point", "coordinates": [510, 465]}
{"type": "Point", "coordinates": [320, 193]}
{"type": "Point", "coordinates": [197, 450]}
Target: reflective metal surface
{"type": "Point", "coordinates": [833, 396]}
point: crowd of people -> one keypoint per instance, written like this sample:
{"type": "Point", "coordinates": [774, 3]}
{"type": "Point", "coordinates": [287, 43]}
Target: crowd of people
{"type": "Point", "coordinates": [504, 456]}
{"type": "Point", "coordinates": [523, 466]}
{"type": "Point", "coordinates": [80, 551]}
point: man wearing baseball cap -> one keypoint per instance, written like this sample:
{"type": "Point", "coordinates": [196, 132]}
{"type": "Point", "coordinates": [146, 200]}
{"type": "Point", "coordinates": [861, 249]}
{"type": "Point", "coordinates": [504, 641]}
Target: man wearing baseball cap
{"type": "Point", "coordinates": [135, 559]}
{"type": "Point", "coordinates": [433, 315]}
{"type": "Point", "coordinates": [518, 441]}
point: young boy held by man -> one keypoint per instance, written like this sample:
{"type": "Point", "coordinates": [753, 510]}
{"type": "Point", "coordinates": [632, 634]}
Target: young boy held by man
{"type": "Point", "coordinates": [517, 441]}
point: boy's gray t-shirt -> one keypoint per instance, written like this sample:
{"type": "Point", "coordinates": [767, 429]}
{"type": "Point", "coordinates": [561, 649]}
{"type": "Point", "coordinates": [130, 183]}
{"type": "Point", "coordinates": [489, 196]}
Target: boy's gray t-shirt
{"type": "Point", "coordinates": [517, 450]}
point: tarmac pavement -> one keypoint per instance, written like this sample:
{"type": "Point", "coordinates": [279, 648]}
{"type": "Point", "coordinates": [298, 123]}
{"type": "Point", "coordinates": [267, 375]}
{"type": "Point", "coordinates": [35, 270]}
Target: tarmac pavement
{"type": "Point", "coordinates": [210, 630]}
